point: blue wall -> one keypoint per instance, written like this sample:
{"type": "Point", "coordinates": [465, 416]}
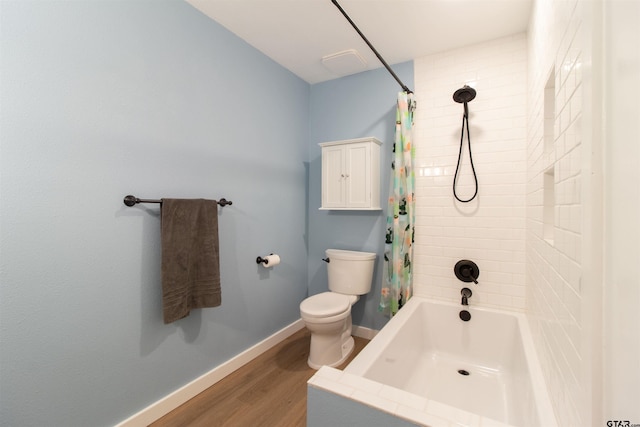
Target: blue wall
{"type": "Point", "coordinates": [352, 107]}
{"type": "Point", "coordinates": [101, 99]}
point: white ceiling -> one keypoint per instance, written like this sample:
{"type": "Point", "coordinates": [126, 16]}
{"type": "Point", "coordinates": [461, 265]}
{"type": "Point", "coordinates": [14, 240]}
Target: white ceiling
{"type": "Point", "coordinates": [298, 33]}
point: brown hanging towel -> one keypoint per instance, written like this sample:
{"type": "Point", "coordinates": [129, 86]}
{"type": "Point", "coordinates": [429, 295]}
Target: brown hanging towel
{"type": "Point", "coordinates": [190, 256]}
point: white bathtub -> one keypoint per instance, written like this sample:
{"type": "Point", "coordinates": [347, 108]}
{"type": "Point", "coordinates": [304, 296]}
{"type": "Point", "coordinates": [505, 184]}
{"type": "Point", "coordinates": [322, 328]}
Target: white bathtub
{"type": "Point", "coordinates": [429, 367]}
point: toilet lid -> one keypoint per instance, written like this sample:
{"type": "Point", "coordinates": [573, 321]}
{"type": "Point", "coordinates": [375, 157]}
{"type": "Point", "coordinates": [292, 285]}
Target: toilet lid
{"type": "Point", "coordinates": [325, 304]}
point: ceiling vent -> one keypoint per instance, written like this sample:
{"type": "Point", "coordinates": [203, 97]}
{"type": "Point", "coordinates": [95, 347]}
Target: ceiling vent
{"type": "Point", "coordinates": [345, 63]}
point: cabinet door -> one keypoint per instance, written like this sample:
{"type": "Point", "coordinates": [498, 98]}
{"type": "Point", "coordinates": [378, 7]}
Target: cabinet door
{"type": "Point", "coordinates": [333, 177]}
{"type": "Point", "coordinates": [358, 175]}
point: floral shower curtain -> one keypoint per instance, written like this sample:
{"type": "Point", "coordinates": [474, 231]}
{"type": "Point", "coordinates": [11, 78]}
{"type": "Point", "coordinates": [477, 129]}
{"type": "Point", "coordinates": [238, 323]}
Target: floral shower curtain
{"type": "Point", "coordinates": [396, 286]}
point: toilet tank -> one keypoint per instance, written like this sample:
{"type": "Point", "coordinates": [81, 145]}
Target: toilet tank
{"type": "Point", "coordinates": [350, 272]}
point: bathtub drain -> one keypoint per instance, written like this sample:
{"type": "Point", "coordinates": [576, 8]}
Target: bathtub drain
{"type": "Point", "coordinates": [463, 372]}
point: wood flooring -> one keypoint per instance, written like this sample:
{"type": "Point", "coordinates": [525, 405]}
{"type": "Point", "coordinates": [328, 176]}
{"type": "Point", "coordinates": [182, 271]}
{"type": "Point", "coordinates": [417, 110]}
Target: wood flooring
{"type": "Point", "coordinates": [271, 390]}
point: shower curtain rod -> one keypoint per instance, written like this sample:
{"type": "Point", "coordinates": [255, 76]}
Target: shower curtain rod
{"type": "Point", "coordinates": [402, 85]}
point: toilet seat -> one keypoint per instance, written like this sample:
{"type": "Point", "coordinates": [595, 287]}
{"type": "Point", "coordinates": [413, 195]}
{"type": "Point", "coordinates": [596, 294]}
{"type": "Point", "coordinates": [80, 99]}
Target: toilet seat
{"type": "Point", "coordinates": [326, 304]}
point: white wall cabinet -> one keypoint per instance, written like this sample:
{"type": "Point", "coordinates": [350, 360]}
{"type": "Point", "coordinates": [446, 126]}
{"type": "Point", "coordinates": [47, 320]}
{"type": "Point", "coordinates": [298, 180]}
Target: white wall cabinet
{"type": "Point", "coordinates": [351, 174]}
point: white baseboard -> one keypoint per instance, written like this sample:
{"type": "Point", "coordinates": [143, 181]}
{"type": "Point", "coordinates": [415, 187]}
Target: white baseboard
{"type": "Point", "coordinates": [362, 332]}
{"type": "Point", "coordinates": [170, 402]}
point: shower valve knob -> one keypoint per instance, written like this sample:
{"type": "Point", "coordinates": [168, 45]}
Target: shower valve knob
{"type": "Point", "coordinates": [467, 271]}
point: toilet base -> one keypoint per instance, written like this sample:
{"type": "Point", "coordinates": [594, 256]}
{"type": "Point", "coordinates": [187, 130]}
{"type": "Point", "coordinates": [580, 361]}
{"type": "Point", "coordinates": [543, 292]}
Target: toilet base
{"type": "Point", "coordinates": [346, 350]}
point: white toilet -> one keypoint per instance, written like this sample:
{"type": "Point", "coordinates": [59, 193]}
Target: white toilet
{"type": "Point", "coordinates": [328, 315]}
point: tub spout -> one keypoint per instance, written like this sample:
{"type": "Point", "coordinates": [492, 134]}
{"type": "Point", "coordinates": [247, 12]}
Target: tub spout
{"type": "Point", "coordinates": [466, 294]}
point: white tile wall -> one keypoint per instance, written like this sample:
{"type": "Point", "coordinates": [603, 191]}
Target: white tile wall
{"type": "Point", "coordinates": [490, 230]}
{"type": "Point", "coordinates": [554, 269]}
{"type": "Point", "coordinates": [502, 230]}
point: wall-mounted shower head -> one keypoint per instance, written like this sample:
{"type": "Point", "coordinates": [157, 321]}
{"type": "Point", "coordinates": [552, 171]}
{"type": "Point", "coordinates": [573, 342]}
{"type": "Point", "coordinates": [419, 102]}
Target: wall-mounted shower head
{"type": "Point", "coordinates": [464, 94]}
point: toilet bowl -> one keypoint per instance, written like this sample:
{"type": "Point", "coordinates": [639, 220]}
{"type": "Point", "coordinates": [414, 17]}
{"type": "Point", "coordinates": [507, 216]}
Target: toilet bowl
{"type": "Point", "coordinates": [328, 318]}
{"type": "Point", "coordinates": [328, 315]}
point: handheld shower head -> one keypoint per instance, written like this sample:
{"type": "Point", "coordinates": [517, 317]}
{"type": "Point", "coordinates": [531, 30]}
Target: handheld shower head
{"type": "Point", "coordinates": [464, 94]}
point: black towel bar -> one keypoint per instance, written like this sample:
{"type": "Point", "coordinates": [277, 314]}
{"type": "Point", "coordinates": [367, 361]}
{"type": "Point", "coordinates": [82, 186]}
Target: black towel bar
{"type": "Point", "coordinates": [132, 200]}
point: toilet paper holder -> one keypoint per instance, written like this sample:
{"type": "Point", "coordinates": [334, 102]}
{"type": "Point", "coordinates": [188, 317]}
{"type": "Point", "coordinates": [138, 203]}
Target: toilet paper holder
{"type": "Point", "coordinates": [261, 260]}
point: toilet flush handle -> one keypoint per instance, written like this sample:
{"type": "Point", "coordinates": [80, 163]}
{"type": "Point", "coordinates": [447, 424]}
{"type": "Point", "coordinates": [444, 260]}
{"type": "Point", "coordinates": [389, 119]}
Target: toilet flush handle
{"type": "Point", "coordinates": [327, 260]}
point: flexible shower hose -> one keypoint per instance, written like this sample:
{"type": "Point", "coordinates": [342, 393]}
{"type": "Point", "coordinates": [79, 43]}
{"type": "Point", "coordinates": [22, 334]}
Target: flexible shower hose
{"type": "Point", "coordinates": [465, 121]}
